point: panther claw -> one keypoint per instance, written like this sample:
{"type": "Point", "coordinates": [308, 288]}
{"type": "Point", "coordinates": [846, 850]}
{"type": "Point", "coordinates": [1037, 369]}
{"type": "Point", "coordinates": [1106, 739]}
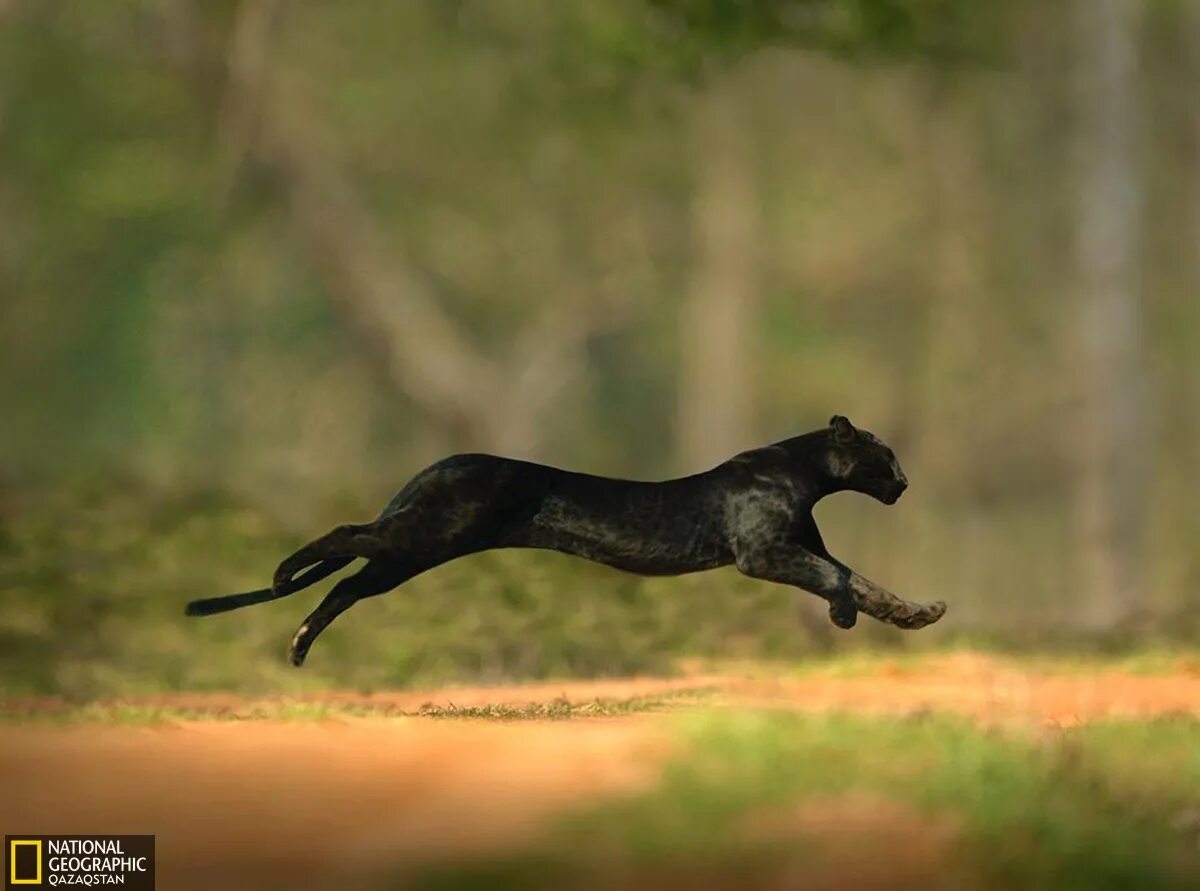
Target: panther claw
{"type": "Point", "coordinates": [299, 647]}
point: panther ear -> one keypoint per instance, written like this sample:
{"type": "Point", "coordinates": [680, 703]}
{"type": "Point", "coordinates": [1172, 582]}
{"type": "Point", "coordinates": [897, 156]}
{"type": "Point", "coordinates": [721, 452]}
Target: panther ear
{"type": "Point", "coordinates": [843, 430]}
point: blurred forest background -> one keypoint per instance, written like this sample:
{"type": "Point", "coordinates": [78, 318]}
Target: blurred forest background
{"type": "Point", "coordinates": [261, 261]}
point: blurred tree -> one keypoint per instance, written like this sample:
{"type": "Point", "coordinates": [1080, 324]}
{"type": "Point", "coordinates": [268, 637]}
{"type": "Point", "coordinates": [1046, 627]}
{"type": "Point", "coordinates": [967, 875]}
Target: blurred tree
{"type": "Point", "coordinates": [1189, 410]}
{"type": "Point", "coordinates": [295, 250]}
{"type": "Point", "coordinates": [1112, 462]}
{"type": "Point", "coordinates": [494, 402]}
{"type": "Point", "coordinates": [700, 32]}
{"type": "Point", "coordinates": [718, 320]}
{"type": "Point", "coordinates": [954, 320]}
{"type": "Point", "coordinates": [699, 37]}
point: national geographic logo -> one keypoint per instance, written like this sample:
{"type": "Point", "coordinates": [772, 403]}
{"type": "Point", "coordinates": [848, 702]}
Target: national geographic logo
{"type": "Point", "coordinates": [79, 861]}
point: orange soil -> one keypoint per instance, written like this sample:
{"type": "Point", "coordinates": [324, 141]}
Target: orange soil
{"type": "Point", "coordinates": [334, 803]}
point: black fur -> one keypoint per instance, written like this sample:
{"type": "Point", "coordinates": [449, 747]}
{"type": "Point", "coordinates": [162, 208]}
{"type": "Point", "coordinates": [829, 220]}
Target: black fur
{"type": "Point", "coordinates": [754, 511]}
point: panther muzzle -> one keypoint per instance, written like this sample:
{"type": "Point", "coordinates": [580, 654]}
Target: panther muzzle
{"type": "Point", "coordinates": [891, 494]}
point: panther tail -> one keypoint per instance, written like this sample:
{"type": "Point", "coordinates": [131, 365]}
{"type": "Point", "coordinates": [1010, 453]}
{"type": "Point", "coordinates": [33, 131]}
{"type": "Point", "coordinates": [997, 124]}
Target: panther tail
{"type": "Point", "coordinates": [211, 605]}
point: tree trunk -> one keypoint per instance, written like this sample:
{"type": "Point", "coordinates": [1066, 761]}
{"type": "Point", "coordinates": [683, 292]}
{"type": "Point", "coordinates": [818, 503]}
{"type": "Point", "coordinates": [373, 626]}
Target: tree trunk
{"type": "Point", "coordinates": [474, 400]}
{"type": "Point", "coordinates": [942, 396]}
{"type": "Point", "coordinates": [716, 328]}
{"type": "Point", "coordinates": [1190, 371]}
{"type": "Point", "coordinates": [1111, 418]}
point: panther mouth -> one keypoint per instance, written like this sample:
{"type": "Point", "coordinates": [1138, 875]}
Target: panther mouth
{"type": "Point", "coordinates": [893, 493]}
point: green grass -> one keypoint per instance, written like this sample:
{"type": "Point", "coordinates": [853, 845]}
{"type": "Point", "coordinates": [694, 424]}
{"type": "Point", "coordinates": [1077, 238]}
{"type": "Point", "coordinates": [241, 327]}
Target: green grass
{"type": "Point", "coordinates": [1105, 806]}
{"type": "Point", "coordinates": [291, 710]}
{"type": "Point", "coordinates": [564, 709]}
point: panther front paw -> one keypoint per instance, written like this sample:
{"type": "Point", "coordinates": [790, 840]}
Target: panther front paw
{"type": "Point", "coordinates": [843, 613]}
{"type": "Point", "coordinates": [935, 611]}
{"type": "Point", "coordinates": [922, 615]}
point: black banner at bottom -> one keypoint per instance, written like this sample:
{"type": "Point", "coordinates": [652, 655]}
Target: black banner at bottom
{"type": "Point", "coordinates": [79, 861]}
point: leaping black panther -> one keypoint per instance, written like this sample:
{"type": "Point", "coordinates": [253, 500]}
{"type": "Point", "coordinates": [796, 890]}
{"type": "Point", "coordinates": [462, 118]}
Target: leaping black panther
{"type": "Point", "coordinates": [754, 511]}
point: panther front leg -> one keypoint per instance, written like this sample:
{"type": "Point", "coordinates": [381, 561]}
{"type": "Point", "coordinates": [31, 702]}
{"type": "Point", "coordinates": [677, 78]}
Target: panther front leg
{"type": "Point", "coordinates": [802, 569]}
{"type": "Point", "coordinates": [846, 590]}
{"type": "Point", "coordinates": [880, 603]}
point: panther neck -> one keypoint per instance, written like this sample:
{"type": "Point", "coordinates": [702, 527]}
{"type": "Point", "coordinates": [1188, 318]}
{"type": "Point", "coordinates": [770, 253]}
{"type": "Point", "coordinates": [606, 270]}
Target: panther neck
{"type": "Point", "coordinates": [809, 455]}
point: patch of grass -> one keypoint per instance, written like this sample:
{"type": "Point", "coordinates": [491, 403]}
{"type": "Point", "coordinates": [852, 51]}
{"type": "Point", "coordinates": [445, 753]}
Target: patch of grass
{"type": "Point", "coordinates": [1089, 809]}
{"type": "Point", "coordinates": [562, 709]}
{"type": "Point", "coordinates": [293, 710]}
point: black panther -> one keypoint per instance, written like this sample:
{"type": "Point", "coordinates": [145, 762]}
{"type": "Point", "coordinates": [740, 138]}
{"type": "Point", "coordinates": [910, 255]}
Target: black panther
{"type": "Point", "coordinates": [753, 511]}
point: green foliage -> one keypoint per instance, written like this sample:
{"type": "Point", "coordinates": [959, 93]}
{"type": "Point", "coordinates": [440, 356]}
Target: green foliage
{"type": "Point", "coordinates": [934, 29]}
{"type": "Point", "coordinates": [612, 49]}
{"type": "Point", "coordinates": [285, 709]}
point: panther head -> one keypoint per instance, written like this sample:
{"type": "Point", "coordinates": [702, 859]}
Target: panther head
{"type": "Point", "coordinates": [862, 462]}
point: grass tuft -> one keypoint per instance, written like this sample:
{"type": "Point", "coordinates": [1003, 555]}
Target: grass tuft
{"type": "Point", "coordinates": [292, 710]}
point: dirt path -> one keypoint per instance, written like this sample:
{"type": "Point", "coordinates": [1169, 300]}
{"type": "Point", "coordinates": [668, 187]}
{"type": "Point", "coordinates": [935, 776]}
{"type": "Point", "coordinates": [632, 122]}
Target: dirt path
{"type": "Point", "coordinates": [325, 804]}
{"type": "Point", "coordinates": [334, 802]}
{"type": "Point", "coordinates": [978, 686]}
{"type": "Point", "coordinates": [394, 702]}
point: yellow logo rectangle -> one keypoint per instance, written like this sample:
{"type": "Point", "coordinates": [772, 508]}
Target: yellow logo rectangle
{"type": "Point", "coordinates": [36, 844]}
